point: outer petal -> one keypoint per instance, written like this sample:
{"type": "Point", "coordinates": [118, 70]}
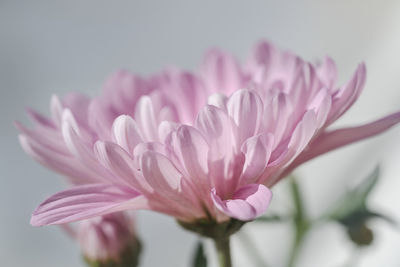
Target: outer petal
{"type": "Point", "coordinates": [329, 141]}
{"type": "Point", "coordinates": [221, 72]}
{"type": "Point", "coordinates": [84, 202]}
{"type": "Point", "coordinates": [344, 98]}
{"type": "Point", "coordinates": [61, 163]}
{"type": "Point", "coordinates": [246, 204]}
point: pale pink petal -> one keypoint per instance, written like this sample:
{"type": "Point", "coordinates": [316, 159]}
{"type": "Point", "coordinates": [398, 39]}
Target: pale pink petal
{"type": "Point", "coordinates": [331, 140]}
{"type": "Point", "coordinates": [146, 119]}
{"type": "Point", "coordinates": [191, 149]}
{"type": "Point", "coordinates": [345, 97]}
{"type": "Point", "coordinates": [165, 129]}
{"type": "Point", "coordinates": [216, 126]}
{"type": "Point", "coordinates": [221, 72]}
{"type": "Point", "coordinates": [57, 162]}
{"type": "Point", "coordinates": [39, 119]}
{"type": "Point", "coordinates": [126, 133]}
{"type": "Point", "coordinates": [218, 100]}
{"type": "Point", "coordinates": [257, 150]}
{"type": "Point", "coordinates": [84, 202]}
{"type": "Point", "coordinates": [278, 117]}
{"type": "Point", "coordinates": [56, 109]}
{"type": "Point", "coordinates": [327, 72]}
{"type": "Point", "coordinates": [285, 154]}
{"type": "Point", "coordinates": [245, 107]}
{"type": "Point", "coordinates": [49, 139]}
{"type": "Point", "coordinates": [123, 166]}
{"type": "Point", "coordinates": [160, 173]}
{"type": "Point", "coordinates": [78, 104]}
{"type": "Point", "coordinates": [321, 104]}
{"type": "Point", "coordinates": [247, 203]}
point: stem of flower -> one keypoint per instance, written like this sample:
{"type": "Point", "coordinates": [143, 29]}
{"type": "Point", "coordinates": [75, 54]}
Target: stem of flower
{"type": "Point", "coordinates": [301, 223]}
{"type": "Point", "coordinates": [301, 230]}
{"type": "Point", "coordinates": [223, 251]}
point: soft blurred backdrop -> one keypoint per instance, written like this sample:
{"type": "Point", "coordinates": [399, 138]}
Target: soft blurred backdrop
{"type": "Point", "coordinates": [52, 47]}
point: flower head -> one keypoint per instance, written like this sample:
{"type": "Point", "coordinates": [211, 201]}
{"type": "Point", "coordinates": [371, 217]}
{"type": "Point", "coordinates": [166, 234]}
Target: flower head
{"type": "Point", "coordinates": [109, 239]}
{"type": "Point", "coordinates": [196, 146]}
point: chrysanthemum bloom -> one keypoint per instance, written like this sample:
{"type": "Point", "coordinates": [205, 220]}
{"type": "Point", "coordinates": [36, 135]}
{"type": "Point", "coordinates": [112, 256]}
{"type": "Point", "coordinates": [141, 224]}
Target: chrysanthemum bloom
{"type": "Point", "coordinates": [175, 154]}
{"type": "Point", "coordinates": [109, 240]}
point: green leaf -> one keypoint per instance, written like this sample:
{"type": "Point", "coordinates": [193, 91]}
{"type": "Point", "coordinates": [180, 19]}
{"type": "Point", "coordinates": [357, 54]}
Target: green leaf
{"type": "Point", "coordinates": [199, 259]}
{"type": "Point", "coordinates": [354, 202]}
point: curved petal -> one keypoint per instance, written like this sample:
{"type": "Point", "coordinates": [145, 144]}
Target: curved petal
{"type": "Point", "coordinates": [84, 202]}
{"type": "Point", "coordinates": [122, 165]}
{"type": "Point", "coordinates": [249, 202]}
{"type": "Point", "coordinates": [221, 72]}
{"type": "Point", "coordinates": [329, 141]}
{"type": "Point", "coordinates": [126, 133]}
{"type": "Point", "coordinates": [246, 109]}
{"type": "Point", "coordinates": [257, 150]}
{"type": "Point", "coordinates": [345, 97]}
{"type": "Point", "coordinates": [191, 149]}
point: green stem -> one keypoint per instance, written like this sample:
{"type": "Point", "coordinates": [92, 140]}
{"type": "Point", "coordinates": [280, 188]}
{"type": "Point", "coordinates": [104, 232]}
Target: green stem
{"type": "Point", "coordinates": [301, 223]}
{"type": "Point", "coordinates": [301, 230]}
{"type": "Point", "coordinates": [223, 251]}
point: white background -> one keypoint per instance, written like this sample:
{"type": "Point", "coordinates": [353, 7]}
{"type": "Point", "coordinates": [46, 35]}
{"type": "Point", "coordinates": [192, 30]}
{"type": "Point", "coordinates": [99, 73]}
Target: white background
{"type": "Point", "coordinates": [51, 47]}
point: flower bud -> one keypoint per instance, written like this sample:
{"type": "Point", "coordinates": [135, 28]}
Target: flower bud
{"type": "Point", "coordinates": [109, 241]}
{"type": "Point", "coordinates": [361, 234]}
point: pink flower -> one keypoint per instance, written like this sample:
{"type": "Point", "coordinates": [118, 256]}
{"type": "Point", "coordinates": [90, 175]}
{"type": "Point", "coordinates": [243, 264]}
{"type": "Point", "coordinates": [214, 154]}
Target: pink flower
{"type": "Point", "coordinates": [108, 239]}
{"type": "Point", "coordinates": [214, 165]}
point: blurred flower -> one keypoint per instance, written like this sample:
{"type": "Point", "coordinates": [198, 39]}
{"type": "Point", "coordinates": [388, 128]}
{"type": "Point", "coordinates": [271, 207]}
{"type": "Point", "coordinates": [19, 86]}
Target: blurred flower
{"type": "Point", "coordinates": [178, 155]}
{"type": "Point", "coordinates": [109, 240]}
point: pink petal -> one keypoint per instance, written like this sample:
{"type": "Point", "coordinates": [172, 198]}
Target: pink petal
{"type": "Point", "coordinates": [84, 202]}
{"type": "Point", "coordinates": [64, 164]}
{"type": "Point", "coordinates": [345, 97]}
{"type": "Point", "coordinates": [329, 141]}
{"type": "Point", "coordinates": [246, 109]}
{"type": "Point", "coordinates": [300, 138]}
{"type": "Point", "coordinates": [257, 150]}
{"type": "Point", "coordinates": [216, 126]}
{"type": "Point", "coordinates": [39, 119]}
{"type": "Point", "coordinates": [82, 150]}
{"type": "Point", "coordinates": [278, 116]}
{"type": "Point", "coordinates": [126, 132]}
{"type": "Point", "coordinates": [190, 147]}
{"type": "Point", "coordinates": [78, 104]}
{"type": "Point", "coordinates": [221, 72]}
{"type": "Point", "coordinates": [165, 129]}
{"type": "Point", "coordinates": [146, 119]}
{"type": "Point", "coordinates": [321, 104]}
{"type": "Point", "coordinates": [56, 109]}
{"type": "Point", "coordinates": [121, 164]}
{"type": "Point", "coordinates": [327, 72]}
{"type": "Point", "coordinates": [247, 203]}
{"type": "Point", "coordinates": [160, 173]}
{"type": "Point", "coordinates": [218, 100]}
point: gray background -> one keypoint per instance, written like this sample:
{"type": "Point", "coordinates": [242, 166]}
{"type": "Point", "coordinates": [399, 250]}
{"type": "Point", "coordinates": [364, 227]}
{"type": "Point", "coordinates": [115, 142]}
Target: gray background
{"type": "Point", "coordinates": [51, 47]}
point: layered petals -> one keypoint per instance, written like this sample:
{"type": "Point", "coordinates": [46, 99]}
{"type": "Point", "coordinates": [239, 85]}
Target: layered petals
{"type": "Point", "coordinates": [247, 202]}
{"type": "Point", "coordinates": [84, 202]}
{"type": "Point", "coordinates": [205, 145]}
